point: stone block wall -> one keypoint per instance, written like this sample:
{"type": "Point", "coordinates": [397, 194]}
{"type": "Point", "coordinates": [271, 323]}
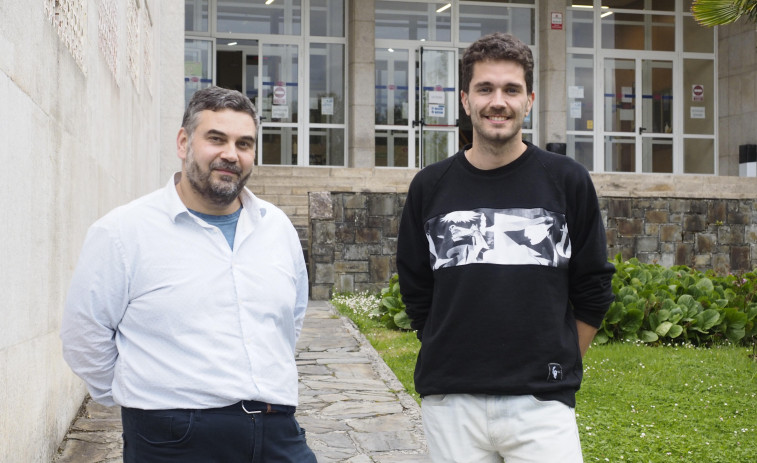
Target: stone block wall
{"type": "Point", "coordinates": [717, 234]}
{"type": "Point", "coordinates": [353, 241]}
{"type": "Point", "coordinates": [353, 236]}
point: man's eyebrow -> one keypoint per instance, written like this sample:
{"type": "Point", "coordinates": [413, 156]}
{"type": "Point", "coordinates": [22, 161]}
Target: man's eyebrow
{"type": "Point", "coordinates": [249, 138]}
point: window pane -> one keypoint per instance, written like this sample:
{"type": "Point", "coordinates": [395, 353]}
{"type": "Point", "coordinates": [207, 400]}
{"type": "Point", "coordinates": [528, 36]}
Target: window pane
{"type": "Point", "coordinates": [659, 5]}
{"type": "Point", "coordinates": [698, 156]}
{"type": "Point", "coordinates": [657, 96]}
{"type": "Point", "coordinates": [620, 96]}
{"type": "Point", "coordinates": [638, 32]}
{"type": "Point", "coordinates": [699, 96]}
{"type": "Point", "coordinates": [437, 145]}
{"type": "Point", "coordinates": [392, 148]}
{"type": "Point", "coordinates": [620, 154]}
{"type": "Point", "coordinates": [476, 21]}
{"type": "Point", "coordinates": [580, 92]}
{"type": "Point", "coordinates": [581, 28]}
{"type": "Point", "coordinates": [255, 17]}
{"type": "Point", "coordinates": [326, 147]}
{"type": "Point", "coordinates": [279, 89]}
{"type": "Point", "coordinates": [696, 38]}
{"type": "Point", "coordinates": [196, 15]}
{"type": "Point", "coordinates": [327, 18]}
{"type": "Point", "coordinates": [657, 155]}
{"type": "Point", "coordinates": [392, 91]}
{"type": "Point", "coordinates": [327, 83]}
{"type": "Point", "coordinates": [197, 67]}
{"type": "Point", "coordinates": [413, 21]}
{"type": "Point", "coordinates": [581, 148]}
{"type": "Point", "coordinates": [279, 145]}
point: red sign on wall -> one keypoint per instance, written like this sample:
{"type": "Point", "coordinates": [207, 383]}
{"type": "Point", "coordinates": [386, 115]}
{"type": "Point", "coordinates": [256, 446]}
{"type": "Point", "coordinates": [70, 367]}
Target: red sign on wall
{"type": "Point", "coordinates": [556, 20]}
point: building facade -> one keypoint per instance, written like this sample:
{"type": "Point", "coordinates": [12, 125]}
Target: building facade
{"type": "Point", "coordinates": [622, 86]}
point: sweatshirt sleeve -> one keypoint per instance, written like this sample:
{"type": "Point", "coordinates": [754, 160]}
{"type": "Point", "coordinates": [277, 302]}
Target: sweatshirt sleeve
{"type": "Point", "coordinates": [96, 302]}
{"type": "Point", "coordinates": [590, 271]}
{"type": "Point", "coordinates": [413, 265]}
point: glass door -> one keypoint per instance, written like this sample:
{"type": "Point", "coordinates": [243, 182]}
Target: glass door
{"type": "Point", "coordinates": [437, 104]}
{"type": "Point", "coordinates": [638, 115]}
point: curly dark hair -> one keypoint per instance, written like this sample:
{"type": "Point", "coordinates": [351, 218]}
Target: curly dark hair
{"type": "Point", "coordinates": [497, 46]}
{"type": "Point", "coordinates": [214, 99]}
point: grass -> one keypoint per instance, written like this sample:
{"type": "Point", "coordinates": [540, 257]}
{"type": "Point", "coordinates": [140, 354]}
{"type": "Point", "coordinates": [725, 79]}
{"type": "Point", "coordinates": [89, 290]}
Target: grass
{"type": "Point", "coordinates": [674, 403]}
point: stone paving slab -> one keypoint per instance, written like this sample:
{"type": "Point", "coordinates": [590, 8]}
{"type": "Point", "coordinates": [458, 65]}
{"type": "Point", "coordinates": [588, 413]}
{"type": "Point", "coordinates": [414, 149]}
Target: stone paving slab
{"type": "Point", "coordinates": [352, 406]}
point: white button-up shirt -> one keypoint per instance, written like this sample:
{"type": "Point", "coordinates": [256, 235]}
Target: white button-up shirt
{"type": "Point", "coordinates": [161, 313]}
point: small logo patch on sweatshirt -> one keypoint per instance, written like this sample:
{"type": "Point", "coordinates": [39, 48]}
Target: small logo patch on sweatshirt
{"type": "Point", "coordinates": [555, 373]}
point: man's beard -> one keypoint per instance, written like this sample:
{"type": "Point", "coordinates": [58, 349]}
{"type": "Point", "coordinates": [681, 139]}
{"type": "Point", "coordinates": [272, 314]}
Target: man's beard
{"type": "Point", "coordinates": [219, 192]}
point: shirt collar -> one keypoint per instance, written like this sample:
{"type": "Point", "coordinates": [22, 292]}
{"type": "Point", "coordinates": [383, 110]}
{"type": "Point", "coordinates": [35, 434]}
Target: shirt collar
{"type": "Point", "coordinates": [174, 205]}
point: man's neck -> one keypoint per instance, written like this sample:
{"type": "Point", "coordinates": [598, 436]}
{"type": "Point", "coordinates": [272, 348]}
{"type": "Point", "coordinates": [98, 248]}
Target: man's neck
{"type": "Point", "coordinates": [486, 156]}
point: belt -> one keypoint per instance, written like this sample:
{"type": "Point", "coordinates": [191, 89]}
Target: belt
{"type": "Point", "coordinates": [251, 407]}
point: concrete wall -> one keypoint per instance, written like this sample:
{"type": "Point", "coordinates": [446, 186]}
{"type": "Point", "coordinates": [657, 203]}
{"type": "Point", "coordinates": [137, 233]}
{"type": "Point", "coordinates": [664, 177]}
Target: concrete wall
{"type": "Point", "coordinates": [82, 94]}
{"type": "Point", "coordinates": [737, 82]}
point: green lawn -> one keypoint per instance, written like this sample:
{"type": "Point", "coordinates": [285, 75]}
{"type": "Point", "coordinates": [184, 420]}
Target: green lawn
{"type": "Point", "coordinates": [637, 403]}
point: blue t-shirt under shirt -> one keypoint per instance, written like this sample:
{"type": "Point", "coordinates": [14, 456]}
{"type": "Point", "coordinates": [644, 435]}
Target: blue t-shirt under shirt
{"type": "Point", "coordinates": [226, 223]}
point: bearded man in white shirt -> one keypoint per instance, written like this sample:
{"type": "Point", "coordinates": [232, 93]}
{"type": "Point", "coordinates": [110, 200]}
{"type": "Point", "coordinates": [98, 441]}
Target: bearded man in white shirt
{"type": "Point", "coordinates": [186, 305]}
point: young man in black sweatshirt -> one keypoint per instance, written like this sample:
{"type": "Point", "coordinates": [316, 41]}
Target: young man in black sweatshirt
{"type": "Point", "coordinates": [503, 268]}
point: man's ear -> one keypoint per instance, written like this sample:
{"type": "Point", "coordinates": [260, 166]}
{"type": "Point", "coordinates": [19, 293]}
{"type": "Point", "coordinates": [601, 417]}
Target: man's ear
{"type": "Point", "coordinates": [182, 142]}
{"type": "Point", "coordinates": [464, 101]}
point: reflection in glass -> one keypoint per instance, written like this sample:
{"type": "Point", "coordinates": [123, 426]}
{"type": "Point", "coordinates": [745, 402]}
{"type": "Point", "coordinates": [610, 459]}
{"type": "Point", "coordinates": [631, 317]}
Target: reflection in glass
{"type": "Point", "coordinates": [326, 147]}
{"type": "Point", "coordinates": [620, 154]}
{"type": "Point", "coordinates": [196, 15]}
{"type": "Point", "coordinates": [327, 83]}
{"type": "Point", "coordinates": [391, 148]}
{"type": "Point", "coordinates": [581, 148]}
{"type": "Point", "coordinates": [197, 67]}
{"type": "Point", "coordinates": [327, 18]}
{"type": "Point", "coordinates": [412, 21]}
{"type": "Point", "coordinates": [657, 155]}
{"type": "Point", "coordinates": [620, 96]}
{"type": "Point", "coordinates": [699, 106]}
{"type": "Point", "coordinates": [279, 145]}
{"type": "Point", "coordinates": [657, 96]}
{"type": "Point", "coordinates": [478, 20]}
{"type": "Point", "coordinates": [581, 28]}
{"type": "Point", "coordinates": [392, 90]}
{"type": "Point", "coordinates": [255, 17]}
{"type": "Point", "coordinates": [437, 145]}
{"type": "Point", "coordinates": [699, 156]}
{"type": "Point", "coordinates": [279, 86]}
{"type": "Point", "coordinates": [629, 31]}
{"type": "Point", "coordinates": [580, 92]}
{"type": "Point", "coordinates": [659, 5]}
{"type": "Point", "coordinates": [697, 39]}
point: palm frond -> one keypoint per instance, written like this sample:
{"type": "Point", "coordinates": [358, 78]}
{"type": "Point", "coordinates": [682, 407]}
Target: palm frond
{"type": "Point", "coordinates": [719, 12]}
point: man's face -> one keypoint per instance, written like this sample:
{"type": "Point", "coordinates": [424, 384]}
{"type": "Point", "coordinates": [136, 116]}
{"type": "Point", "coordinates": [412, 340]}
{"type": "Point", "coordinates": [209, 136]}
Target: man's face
{"type": "Point", "coordinates": [497, 102]}
{"type": "Point", "coordinates": [218, 158]}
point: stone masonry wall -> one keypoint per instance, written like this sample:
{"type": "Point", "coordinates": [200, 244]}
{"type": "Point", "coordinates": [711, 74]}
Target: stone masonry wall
{"type": "Point", "coordinates": [353, 236]}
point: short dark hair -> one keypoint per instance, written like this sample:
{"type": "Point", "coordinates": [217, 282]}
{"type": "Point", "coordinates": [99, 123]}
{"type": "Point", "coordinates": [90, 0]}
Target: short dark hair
{"type": "Point", "coordinates": [215, 98]}
{"type": "Point", "coordinates": [496, 47]}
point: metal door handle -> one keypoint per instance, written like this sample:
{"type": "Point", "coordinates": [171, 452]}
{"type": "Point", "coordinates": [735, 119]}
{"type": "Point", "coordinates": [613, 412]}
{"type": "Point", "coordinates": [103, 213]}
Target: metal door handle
{"type": "Point", "coordinates": [641, 130]}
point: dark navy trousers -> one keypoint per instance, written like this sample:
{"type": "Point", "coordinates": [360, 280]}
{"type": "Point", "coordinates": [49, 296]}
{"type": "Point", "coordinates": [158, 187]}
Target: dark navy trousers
{"type": "Point", "coordinates": [248, 431]}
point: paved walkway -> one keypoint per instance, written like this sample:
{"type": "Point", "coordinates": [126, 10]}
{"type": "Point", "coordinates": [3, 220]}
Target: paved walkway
{"type": "Point", "coordinates": [353, 407]}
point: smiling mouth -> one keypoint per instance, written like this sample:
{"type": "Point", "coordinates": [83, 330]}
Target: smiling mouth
{"type": "Point", "coordinates": [498, 118]}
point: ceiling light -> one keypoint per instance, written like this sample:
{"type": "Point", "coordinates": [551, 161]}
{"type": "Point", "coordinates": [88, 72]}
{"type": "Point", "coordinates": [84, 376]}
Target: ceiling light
{"type": "Point", "coordinates": [605, 14]}
{"type": "Point", "coordinates": [231, 44]}
{"type": "Point", "coordinates": [268, 2]}
{"type": "Point", "coordinates": [444, 8]}
{"type": "Point", "coordinates": [390, 50]}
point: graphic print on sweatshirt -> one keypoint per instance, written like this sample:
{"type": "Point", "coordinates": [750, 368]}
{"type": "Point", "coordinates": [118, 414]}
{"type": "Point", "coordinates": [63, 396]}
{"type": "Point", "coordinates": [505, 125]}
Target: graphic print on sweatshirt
{"type": "Point", "coordinates": [498, 236]}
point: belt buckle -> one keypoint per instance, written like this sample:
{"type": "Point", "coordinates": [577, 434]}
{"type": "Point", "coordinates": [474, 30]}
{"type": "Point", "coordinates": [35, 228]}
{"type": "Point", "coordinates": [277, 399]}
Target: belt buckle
{"type": "Point", "coordinates": [253, 412]}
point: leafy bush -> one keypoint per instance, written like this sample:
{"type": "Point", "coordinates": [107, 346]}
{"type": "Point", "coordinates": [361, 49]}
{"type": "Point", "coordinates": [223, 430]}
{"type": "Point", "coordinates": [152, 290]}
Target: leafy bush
{"type": "Point", "coordinates": [679, 304]}
{"type": "Point", "coordinates": [391, 309]}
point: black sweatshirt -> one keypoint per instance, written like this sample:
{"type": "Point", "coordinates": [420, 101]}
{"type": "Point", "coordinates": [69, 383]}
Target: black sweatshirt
{"type": "Point", "coordinates": [495, 267]}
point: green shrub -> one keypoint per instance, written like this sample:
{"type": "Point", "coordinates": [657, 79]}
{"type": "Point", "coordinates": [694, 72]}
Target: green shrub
{"type": "Point", "coordinates": [391, 310]}
{"type": "Point", "coordinates": [654, 304]}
